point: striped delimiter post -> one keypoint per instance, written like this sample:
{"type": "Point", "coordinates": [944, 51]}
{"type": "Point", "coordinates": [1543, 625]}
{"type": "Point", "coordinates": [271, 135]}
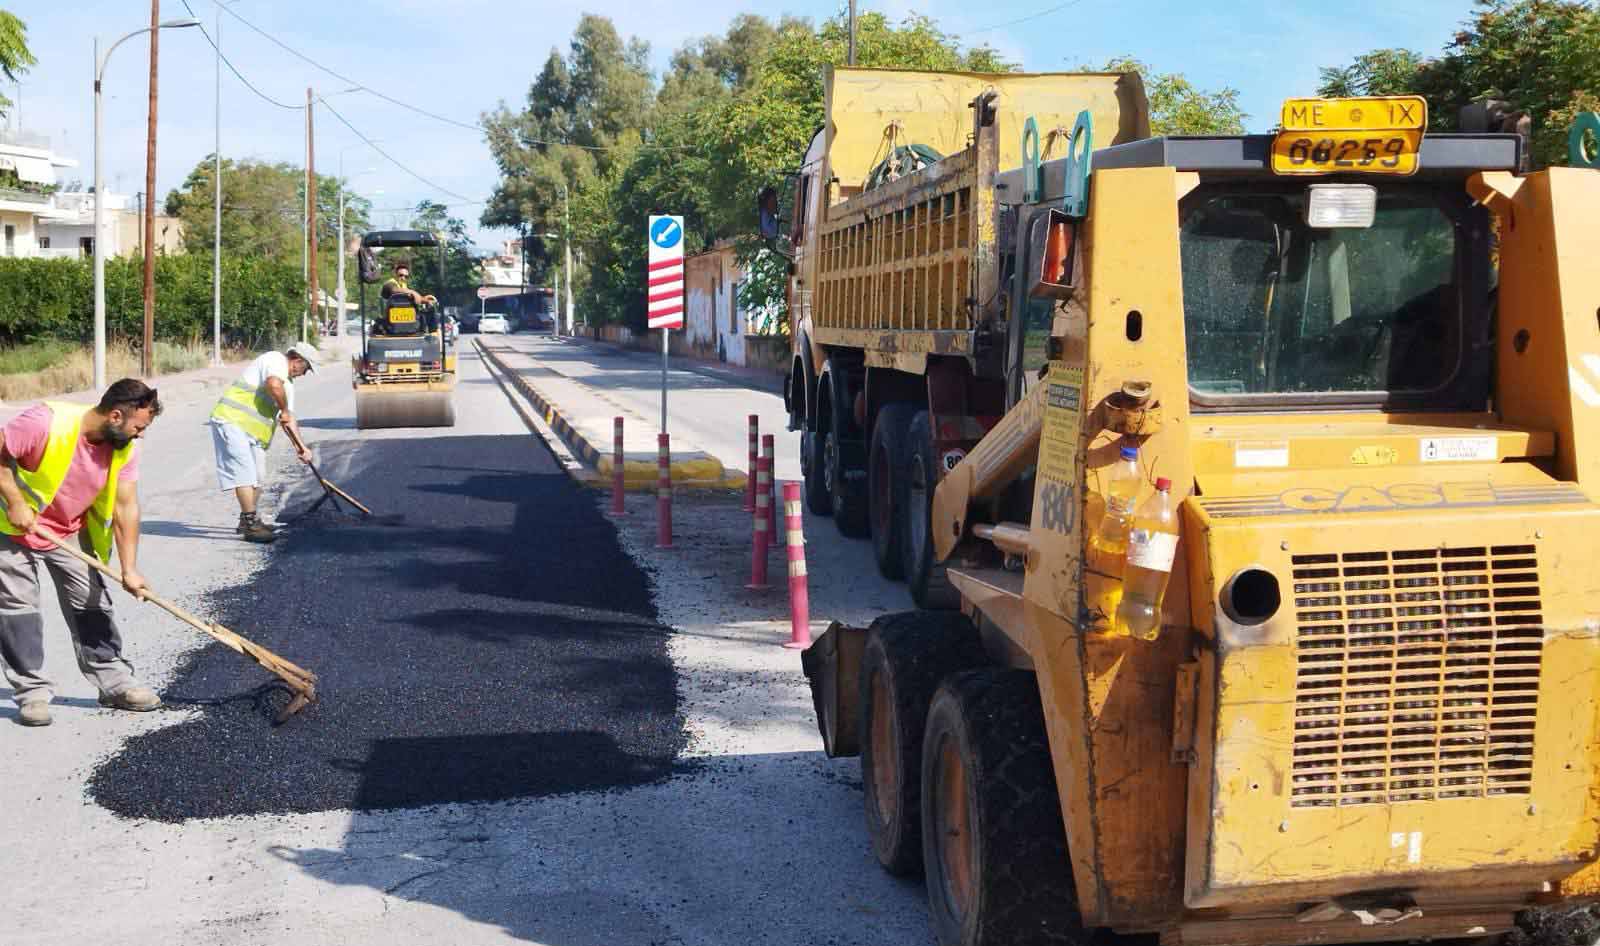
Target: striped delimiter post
{"type": "Point", "coordinates": [618, 483]}
{"type": "Point", "coordinates": [772, 487]}
{"type": "Point", "coordinates": [759, 522]}
{"type": "Point", "coordinates": [664, 491]}
{"type": "Point", "coordinates": [750, 480]}
{"type": "Point", "coordinates": [799, 596]}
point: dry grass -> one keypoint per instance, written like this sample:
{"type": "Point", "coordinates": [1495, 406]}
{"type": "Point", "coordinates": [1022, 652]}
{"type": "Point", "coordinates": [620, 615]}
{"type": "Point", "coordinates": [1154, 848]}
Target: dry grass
{"type": "Point", "coordinates": [73, 369]}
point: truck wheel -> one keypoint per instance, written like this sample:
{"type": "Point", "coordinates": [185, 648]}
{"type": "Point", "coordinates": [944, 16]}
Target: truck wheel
{"type": "Point", "coordinates": [992, 837]}
{"type": "Point", "coordinates": [930, 589]}
{"type": "Point", "coordinates": [811, 460]}
{"type": "Point", "coordinates": [847, 488]}
{"type": "Point", "coordinates": [905, 657]}
{"type": "Point", "coordinates": [886, 488]}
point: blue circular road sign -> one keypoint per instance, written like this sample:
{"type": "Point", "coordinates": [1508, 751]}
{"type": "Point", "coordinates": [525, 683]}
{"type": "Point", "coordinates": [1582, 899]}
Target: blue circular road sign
{"type": "Point", "coordinates": [666, 233]}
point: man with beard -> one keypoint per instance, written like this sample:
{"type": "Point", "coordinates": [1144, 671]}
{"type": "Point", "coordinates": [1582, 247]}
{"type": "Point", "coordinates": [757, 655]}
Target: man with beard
{"type": "Point", "coordinates": [71, 469]}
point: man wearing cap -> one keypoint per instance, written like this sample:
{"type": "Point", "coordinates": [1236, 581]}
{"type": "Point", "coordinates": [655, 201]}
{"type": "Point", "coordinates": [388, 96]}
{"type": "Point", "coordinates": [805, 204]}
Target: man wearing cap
{"type": "Point", "coordinates": [71, 469]}
{"type": "Point", "coordinates": [242, 425]}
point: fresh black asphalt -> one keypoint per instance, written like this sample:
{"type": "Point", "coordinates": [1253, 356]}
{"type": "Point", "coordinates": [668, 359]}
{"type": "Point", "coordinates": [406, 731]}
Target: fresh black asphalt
{"type": "Point", "coordinates": [487, 639]}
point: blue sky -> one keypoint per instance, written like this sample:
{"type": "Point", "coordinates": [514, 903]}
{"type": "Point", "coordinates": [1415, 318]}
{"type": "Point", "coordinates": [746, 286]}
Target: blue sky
{"type": "Point", "coordinates": [461, 57]}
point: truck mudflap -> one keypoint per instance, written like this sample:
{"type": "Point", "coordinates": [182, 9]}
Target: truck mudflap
{"type": "Point", "coordinates": [833, 667]}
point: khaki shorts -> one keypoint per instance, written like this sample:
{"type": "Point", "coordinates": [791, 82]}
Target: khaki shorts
{"type": "Point", "coordinates": [241, 461]}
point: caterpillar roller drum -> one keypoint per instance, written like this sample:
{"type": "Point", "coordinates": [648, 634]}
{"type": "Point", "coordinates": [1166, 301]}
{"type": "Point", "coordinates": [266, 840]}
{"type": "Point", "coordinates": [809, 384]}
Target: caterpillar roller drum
{"type": "Point", "coordinates": [405, 375]}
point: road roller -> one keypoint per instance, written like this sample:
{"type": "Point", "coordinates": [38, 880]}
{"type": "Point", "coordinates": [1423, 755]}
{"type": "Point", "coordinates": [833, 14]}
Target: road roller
{"type": "Point", "coordinates": [405, 375]}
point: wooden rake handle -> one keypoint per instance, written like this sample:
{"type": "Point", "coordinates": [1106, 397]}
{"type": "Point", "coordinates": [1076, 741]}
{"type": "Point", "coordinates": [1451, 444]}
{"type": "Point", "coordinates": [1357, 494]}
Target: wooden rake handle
{"type": "Point", "coordinates": [326, 483]}
{"type": "Point", "coordinates": [299, 679]}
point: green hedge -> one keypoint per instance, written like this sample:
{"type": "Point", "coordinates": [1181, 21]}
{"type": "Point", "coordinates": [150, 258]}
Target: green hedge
{"type": "Point", "coordinates": [54, 298]}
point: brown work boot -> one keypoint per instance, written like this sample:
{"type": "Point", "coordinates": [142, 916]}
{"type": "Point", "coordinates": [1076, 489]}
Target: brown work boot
{"type": "Point", "coordinates": [254, 530]}
{"type": "Point", "coordinates": [34, 713]}
{"type": "Point", "coordinates": [135, 699]}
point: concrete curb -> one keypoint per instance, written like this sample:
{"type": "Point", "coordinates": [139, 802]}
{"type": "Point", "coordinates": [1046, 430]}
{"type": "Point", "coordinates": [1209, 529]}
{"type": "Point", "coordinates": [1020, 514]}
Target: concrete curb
{"type": "Point", "coordinates": [639, 471]}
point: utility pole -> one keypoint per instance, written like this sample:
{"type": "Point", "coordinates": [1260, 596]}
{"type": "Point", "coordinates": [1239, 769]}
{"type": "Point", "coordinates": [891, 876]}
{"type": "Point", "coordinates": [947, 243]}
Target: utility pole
{"type": "Point", "coordinates": [311, 204]}
{"type": "Point", "coordinates": [216, 222]}
{"type": "Point", "coordinates": [305, 233]}
{"type": "Point", "coordinates": [150, 202]}
{"type": "Point", "coordinates": [852, 53]}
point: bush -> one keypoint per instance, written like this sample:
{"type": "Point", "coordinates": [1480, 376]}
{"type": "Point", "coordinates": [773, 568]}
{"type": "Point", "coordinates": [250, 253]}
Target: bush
{"type": "Point", "coordinates": [54, 299]}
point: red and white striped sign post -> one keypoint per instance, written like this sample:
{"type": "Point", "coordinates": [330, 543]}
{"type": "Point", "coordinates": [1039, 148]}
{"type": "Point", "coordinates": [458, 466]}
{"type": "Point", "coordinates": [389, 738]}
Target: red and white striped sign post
{"type": "Point", "coordinates": [664, 287]}
{"type": "Point", "coordinates": [618, 473]}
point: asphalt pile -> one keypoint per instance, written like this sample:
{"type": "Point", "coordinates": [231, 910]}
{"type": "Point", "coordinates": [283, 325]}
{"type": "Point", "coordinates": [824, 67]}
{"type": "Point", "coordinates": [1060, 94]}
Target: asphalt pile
{"type": "Point", "coordinates": [486, 639]}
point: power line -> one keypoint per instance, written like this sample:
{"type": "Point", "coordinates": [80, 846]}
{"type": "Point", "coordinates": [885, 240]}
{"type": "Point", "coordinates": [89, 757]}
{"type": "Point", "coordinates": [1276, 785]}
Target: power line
{"type": "Point", "coordinates": [389, 157]}
{"type": "Point", "coordinates": [231, 68]}
{"type": "Point", "coordinates": [1032, 16]}
{"type": "Point", "coordinates": [469, 126]}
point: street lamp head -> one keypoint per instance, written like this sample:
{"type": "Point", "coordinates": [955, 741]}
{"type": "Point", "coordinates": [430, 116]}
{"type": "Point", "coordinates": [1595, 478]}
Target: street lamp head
{"type": "Point", "coordinates": [179, 24]}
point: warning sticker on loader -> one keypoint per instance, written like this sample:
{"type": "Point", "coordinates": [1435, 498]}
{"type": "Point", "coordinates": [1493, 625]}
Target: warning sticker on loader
{"type": "Point", "coordinates": [1063, 421]}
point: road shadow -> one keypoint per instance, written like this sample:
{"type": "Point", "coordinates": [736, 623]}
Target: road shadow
{"type": "Point", "coordinates": [328, 423]}
{"type": "Point", "coordinates": [8, 705]}
{"type": "Point", "coordinates": [709, 855]}
{"type": "Point", "coordinates": [183, 530]}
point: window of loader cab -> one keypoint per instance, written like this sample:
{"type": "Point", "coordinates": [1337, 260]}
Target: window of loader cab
{"type": "Point", "coordinates": [1279, 312]}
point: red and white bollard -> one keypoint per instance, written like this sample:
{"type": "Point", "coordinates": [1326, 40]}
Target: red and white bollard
{"type": "Point", "coordinates": [664, 491]}
{"type": "Point", "coordinates": [750, 480]}
{"type": "Point", "coordinates": [799, 596]}
{"type": "Point", "coordinates": [618, 482]}
{"type": "Point", "coordinates": [772, 488]}
{"type": "Point", "coordinates": [759, 522]}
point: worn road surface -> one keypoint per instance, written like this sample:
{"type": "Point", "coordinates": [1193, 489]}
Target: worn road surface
{"type": "Point", "coordinates": [534, 728]}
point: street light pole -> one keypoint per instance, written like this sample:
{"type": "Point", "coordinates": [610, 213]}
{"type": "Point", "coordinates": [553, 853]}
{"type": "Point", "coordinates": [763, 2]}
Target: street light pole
{"type": "Point", "coordinates": [150, 201]}
{"type": "Point", "coordinates": [100, 60]}
{"type": "Point", "coordinates": [566, 244]}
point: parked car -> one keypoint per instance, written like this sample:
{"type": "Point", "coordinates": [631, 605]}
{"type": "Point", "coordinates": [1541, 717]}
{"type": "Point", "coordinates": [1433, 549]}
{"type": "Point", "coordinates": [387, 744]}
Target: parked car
{"type": "Point", "coordinates": [493, 325]}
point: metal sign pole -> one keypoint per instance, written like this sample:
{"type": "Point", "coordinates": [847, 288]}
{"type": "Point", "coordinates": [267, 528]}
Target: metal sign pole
{"type": "Point", "coordinates": [664, 333]}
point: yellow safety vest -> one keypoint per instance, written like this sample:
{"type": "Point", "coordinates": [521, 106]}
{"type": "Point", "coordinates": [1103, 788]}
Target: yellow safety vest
{"type": "Point", "coordinates": [39, 487]}
{"type": "Point", "coordinates": [249, 408]}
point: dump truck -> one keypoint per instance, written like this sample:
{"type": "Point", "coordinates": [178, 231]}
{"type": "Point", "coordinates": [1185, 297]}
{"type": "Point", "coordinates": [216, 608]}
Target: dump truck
{"type": "Point", "coordinates": [896, 314]}
{"type": "Point", "coordinates": [1367, 357]}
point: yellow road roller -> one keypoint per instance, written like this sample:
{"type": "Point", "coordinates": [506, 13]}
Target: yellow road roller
{"type": "Point", "coordinates": [405, 375]}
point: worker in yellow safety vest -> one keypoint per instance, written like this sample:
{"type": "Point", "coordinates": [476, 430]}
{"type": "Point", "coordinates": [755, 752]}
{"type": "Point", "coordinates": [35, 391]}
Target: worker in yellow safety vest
{"type": "Point", "coordinates": [242, 425]}
{"type": "Point", "coordinates": [71, 469]}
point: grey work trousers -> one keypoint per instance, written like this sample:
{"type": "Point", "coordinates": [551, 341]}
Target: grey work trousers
{"type": "Point", "coordinates": [86, 605]}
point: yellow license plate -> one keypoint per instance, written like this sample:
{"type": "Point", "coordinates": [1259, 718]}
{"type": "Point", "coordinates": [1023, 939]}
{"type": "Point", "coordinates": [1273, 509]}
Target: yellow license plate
{"type": "Point", "coordinates": [1373, 135]}
{"type": "Point", "coordinates": [402, 315]}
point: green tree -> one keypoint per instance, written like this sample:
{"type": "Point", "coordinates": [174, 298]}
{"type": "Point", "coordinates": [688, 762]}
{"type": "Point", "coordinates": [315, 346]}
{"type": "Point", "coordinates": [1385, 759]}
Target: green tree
{"type": "Point", "coordinates": [1177, 107]}
{"type": "Point", "coordinates": [15, 58]}
{"type": "Point", "coordinates": [1541, 56]}
{"type": "Point", "coordinates": [460, 271]}
{"type": "Point", "coordinates": [262, 214]}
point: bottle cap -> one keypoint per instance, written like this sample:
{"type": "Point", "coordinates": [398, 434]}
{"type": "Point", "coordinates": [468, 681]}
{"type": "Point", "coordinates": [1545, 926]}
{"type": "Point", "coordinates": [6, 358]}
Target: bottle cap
{"type": "Point", "coordinates": [1163, 484]}
{"type": "Point", "coordinates": [1130, 453]}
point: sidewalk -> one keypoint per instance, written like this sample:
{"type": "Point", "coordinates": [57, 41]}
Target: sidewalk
{"type": "Point", "coordinates": [583, 418]}
{"type": "Point", "coordinates": [754, 378]}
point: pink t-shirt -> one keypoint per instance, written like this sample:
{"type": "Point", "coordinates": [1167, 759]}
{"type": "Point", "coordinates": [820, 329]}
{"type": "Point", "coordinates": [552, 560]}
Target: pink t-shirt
{"type": "Point", "coordinates": [26, 436]}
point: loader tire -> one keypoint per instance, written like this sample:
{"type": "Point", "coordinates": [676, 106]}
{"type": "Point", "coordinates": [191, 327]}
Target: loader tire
{"type": "Point", "coordinates": [906, 656]}
{"type": "Point", "coordinates": [995, 850]}
{"type": "Point", "coordinates": [886, 488]}
{"type": "Point", "coordinates": [930, 589]}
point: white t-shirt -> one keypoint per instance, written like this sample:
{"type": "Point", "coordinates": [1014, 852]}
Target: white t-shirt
{"type": "Point", "coordinates": [274, 364]}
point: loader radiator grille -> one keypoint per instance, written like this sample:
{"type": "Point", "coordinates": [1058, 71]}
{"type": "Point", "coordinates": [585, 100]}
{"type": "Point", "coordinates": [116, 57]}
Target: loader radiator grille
{"type": "Point", "coordinates": [1417, 674]}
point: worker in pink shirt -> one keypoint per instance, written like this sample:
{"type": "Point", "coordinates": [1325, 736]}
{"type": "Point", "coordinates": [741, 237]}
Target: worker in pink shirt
{"type": "Point", "coordinates": [71, 469]}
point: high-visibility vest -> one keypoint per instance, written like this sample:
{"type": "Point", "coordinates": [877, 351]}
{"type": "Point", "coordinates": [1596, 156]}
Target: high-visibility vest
{"type": "Point", "coordinates": [39, 487]}
{"type": "Point", "coordinates": [249, 408]}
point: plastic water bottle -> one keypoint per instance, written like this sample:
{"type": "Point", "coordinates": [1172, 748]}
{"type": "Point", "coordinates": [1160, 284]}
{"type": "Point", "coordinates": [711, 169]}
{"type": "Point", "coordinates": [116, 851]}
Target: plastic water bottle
{"type": "Point", "coordinates": [1152, 546]}
{"type": "Point", "coordinates": [1122, 491]}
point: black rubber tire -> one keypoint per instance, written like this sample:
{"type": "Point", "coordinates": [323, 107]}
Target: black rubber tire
{"type": "Point", "coordinates": [817, 498]}
{"type": "Point", "coordinates": [907, 653]}
{"type": "Point", "coordinates": [1019, 888]}
{"type": "Point", "coordinates": [886, 488]}
{"type": "Point", "coordinates": [847, 485]}
{"type": "Point", "coordinates": [930, 589]}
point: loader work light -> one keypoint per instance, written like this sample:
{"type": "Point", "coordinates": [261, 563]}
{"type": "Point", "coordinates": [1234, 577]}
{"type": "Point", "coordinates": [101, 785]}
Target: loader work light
{"type": "Point", "coordinates": [1330, 206]}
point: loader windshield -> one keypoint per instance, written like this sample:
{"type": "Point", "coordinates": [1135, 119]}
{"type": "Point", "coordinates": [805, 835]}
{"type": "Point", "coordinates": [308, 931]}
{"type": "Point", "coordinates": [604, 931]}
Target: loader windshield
{"type": "Point", "coordinates": [1275, 307]}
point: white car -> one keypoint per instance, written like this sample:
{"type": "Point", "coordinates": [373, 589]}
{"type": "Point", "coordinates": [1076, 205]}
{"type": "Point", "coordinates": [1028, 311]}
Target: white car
{"type": "Point", "coordinates": [493, 324]}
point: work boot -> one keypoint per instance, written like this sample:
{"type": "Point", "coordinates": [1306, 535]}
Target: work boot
{"type": "Point", "coordinates": [254, 530]}
{"type": "Point", "coordinates": [34, 713]}
{"type": "Point", "coordinates": [135, 699]}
